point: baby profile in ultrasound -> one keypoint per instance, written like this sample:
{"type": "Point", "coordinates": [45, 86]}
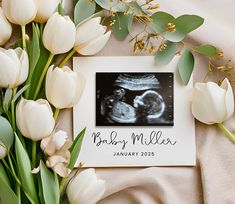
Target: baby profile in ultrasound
{"type": "Point", "coordinates": [134, 99]}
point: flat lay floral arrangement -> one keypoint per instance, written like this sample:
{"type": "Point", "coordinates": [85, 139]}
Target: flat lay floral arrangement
{"type": "Point", "coordinates": [37, 158]}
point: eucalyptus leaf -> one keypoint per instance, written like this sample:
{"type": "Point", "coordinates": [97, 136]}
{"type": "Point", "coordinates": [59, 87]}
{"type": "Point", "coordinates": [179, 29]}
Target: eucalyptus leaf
{"type": "Point", "coordinates": [164, 57]}
{"type": "Point", "coordinates": [184, 25]}
{"type": "Point", "coordinates": [114, 5]}
{"type": "Point", "coordinates": [75, 148]}
{"type": "Point", "coordinates": [6, 133]}
{"type": "Point", "coordinates": [3, 175]}
{"type": "Point", "coordinates": [208, 50]}
{"type": "Point", "coordinates": [25, 171]}
{"type": "Point", "coordinates": [160, 20]}
{"type": "Point", "coordinates": [185, 66]}
{"type": "Point", "coordinates": [50, 186]}
{"type": "Point", "coordinates": [122, 25]}
{"type": "Point", "coordinates": [7, 195]}
{"type": "Point", "coordinates": [83, 10]}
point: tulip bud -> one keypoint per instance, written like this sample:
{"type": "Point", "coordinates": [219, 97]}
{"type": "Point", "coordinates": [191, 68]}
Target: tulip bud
{"type": "Point", "coordinates": [20, 12]}
{"type": "Point", "coordinates": [46, 9]}
{"type": "Point", "coordinates": [212, 103]}
{"type": "Point", "coordinates": [14, 67]}
{"type": "Point", "coordinates": [63, 87]}
{"type": "Point", "coordinates": [34, 118]}
{"type": "Point", "coordinates": [3, 150]}
{"type": "Point", "coordinates": [5, 28]}
{"type": "Point", "coordinates": [91, 37]}
{"type": "Point", "coordinates": [59, 34]}
{"type": "Point", "coordinates": [85, 188]}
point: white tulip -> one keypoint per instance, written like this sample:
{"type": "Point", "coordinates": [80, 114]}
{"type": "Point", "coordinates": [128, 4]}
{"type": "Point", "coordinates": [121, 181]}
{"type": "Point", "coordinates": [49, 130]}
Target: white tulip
{"type": "Point", "coordinates": [46, 9]}
{"type": "Point", "coordinates": [58, 141]}
{"type": "Point", "coordinates": [3, 150]}
{"type": "Point", "coordinates": [14, 67]}
{"type": "Point", "coordinates": [212, 103]}
{"type": "Point", "coordinates": [85, 188]}
{"type": "Point", "coordinates": [59, 34]}
{"type": "Point", "coordinates": [63, 87]}
{"type": "Point", "coordinates": [20, 12]}
{"type": "Point", "coordinates": [91, 37]}
{"type": "Point", "coordinates": [149, 7]}
{"type": "Point", "coordinates": [34, 118]}
{"type": "Point", "coordinates": [5, 28]}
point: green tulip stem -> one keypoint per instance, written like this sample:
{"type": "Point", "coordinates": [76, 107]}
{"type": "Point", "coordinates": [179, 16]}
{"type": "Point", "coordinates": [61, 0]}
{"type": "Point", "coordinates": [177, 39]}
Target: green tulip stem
{"type": "Point", "coordinates": [43, 76]}
{"type": "Point", "coordinates": [62, 183]}
{"type": "Point", "coordinates": [66, 59]}
{"type": "Point", "coordinates": [23, 29]}
{"type": "Point", "coordinates": [56, 114]}
{"type": "Point", "coordinates": [12, 169]}
{"type": "Point", "coordinates": [227, 132]}
{"type": "Point", "coordinates": [34, 153]}
{"type": "Point", "coordinates": [13, 120]}
{"type": "Point", "coordinates": [41, 28]}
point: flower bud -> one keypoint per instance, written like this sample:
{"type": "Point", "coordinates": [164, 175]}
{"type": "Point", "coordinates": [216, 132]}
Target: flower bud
{"type": "Point", "coordinates": [20, 12]}
{"type": "Point", "coordinates": [63, 87]}
{"type": "Point", "coordinates": [91, 37]}
{"type": "Point", "coordinates": [59, 34]}
{"type": "Point", "coordinates": [14, 67]}
{"type": "Point", "coordinates": [34, 119]}
{"type": "Point", "coordinates": [3, 150]}
{"type": "Point", "coordinates": [85, 188]}
{"type": "Point", "coordinates": [212, 103]}
{"type": "Point", "coordinates": [46, 9]}
{"type": "Point", "coordinates": [5, 28]}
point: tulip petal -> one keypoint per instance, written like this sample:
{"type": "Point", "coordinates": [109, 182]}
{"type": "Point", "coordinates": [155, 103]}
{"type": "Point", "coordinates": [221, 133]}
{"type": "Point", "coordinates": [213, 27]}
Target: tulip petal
{"type": "Point", "coordinates": [229, 99]}
{"type": "Point", "coordinates": [95, 46]}
{"type": "Point", "coordinates": [89, 31]}
{"type": "Point", "coordinates": [6, 28]}
{"type": "Point", "coordinates": [208, 104]}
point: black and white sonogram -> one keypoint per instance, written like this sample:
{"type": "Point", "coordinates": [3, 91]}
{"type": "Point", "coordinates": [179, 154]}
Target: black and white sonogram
{"type": "Point", "coordinates": [134, 99]}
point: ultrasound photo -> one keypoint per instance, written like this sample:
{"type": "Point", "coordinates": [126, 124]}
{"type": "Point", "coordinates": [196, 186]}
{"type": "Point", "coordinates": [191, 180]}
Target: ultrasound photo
{"type": "Point", "coordinates": [134, 99]}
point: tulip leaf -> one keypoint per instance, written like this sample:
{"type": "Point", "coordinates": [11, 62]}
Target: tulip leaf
{"type": "Point", "coordinates": [7, 99]}
{"type": "Point", "coordinates": [44, 55]}
{"type": "Point", "coordinates": [25, 171]}
{"type": "Point", "coordinates": [183, 24]}
{"type": "Point", "coordinates": [122, 25]}
{"type": "Point", "coordinates": [20, 92]}
{"type": "Point", "coordinates": [114, 5]}
{"type": "Point", "coordinates": [83, 10]}
{"type": "Point", "coordinates": [7, 195]}
{"type": "Point", "coordinates": [208, 50]}
{"type": "Point", "coordinates": [160, 20]}
{"type": "Point", "coordinates": [185, 66]}
{"type": "Point", "coordinates": [6, 133]}
{"type": "Point", "coordinates": [50, 185]}
{"type": "Point", "coordinates": [3, 175]}
{"type": "Point", "coordinates": [164, 57]}
{"type": "Point", "coordinates": [75, 148]}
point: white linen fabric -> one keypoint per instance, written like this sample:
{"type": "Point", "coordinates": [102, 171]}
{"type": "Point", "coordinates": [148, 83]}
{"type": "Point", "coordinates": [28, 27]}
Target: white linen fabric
{"type": "Point", "coordinates": [212, 181]}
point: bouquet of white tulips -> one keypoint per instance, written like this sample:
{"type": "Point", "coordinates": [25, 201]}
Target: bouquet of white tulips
{"type": "Point", "coordinates": [37, 158]}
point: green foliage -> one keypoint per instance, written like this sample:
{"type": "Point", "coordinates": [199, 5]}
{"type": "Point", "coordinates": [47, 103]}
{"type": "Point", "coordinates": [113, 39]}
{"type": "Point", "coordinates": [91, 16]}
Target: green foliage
{"type": "Point", "coordinates": [114, 5]}
{"type": "Point", "coordinates": [7, 195]}
{"type": "Point", "coordinates": [208, 50]}
{"type": "Point", "coordinates": [75, 148]}
{"type": "Point", "coordinates": [7, 100]}
{"type": "Point", "coordinates": [184, 25]}
{"type": "Point", "coordinates": [186, 65]}
{"type": "Point", "coordinates": [160, 20]}
{"type": "Point", "coordinates": [3, 175]}
{"type": "Point", "coordinates": [6, 133]}
{"type": "Point", "coordinates": [83, 10]}
{"type": "Point", "coordinates": [164, 57]}
{"type": "Point", "coordinates": [24, 169]}
{"type": "Point", "coordinates": [50, 185]}
{"type": "Point", "coordinates": [122, 25]}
